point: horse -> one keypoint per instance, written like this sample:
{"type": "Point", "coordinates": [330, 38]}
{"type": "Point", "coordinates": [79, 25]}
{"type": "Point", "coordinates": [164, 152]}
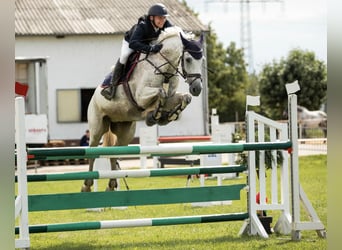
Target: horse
{"type": "Point", "coordinates": [150, 94]}
{"type": "Point", "coordinates": [311, 119]}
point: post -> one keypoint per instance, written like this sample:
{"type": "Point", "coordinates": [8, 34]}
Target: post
{"type": "Point", "coordinates": [21, 202]}
{"type": "Point", "coordinates": [291, 89]}
{"type": "Point", "coordinates": [294, 166]}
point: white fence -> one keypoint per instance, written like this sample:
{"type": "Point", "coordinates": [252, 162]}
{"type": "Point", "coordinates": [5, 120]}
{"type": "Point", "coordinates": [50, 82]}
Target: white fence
{"type": "Point", "coordinates": [311, 140]}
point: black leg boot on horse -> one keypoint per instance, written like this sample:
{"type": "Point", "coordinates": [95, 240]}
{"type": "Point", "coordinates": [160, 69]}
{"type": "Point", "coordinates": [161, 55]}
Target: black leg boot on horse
{"type": "Point", "coordinates": [109, 92]}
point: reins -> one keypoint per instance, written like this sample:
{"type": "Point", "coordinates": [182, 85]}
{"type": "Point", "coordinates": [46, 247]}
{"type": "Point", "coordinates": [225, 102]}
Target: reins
{"type": "Point", "coordinates": [157, 69]}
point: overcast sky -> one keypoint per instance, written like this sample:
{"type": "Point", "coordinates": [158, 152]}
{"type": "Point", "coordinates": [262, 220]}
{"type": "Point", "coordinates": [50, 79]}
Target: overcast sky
{"type": "Point", "coordinates": [277, 27]}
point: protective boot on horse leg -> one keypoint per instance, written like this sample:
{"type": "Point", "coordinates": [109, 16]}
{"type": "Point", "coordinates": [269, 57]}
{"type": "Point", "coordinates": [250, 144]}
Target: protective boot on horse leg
{"type": "Point", "coordinates": [110, 91]}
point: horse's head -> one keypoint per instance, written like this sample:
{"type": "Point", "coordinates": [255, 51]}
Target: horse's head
{"type": "Point", "coordinates": [188, 51]}
{"type": "Point", "coordinates": [192, 59]}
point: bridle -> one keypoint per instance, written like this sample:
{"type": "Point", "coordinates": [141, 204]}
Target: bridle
{"type": "Point", "coordinates": [185, 74]}
{"type": "Point", "coordinates": [167, 75]}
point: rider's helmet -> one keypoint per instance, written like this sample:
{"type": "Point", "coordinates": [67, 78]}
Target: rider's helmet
{"type": "Point", "coordinates": [158, 9]}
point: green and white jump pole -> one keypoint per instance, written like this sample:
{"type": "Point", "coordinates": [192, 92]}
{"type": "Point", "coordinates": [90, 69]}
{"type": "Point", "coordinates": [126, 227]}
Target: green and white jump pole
{"type": "Point", "coordinates": [107, 224]}
{"type": "Point", "coordinates": [135, 173]}
{"type": "Point", "coordinates": [169, 150]}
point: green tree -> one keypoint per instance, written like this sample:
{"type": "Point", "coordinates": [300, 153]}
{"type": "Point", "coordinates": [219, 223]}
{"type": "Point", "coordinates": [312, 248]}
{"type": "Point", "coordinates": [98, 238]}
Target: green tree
{"type": "Point", "coordinates": [299, 65]}
{"type": "Point", "coordinates": [228, 81]}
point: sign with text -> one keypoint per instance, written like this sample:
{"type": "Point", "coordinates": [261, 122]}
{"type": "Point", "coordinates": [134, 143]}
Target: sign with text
{"type": "Point", "coordinates": [36, 128]}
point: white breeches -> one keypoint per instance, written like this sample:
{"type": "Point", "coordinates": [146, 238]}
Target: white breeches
{"type": "Point", "coordinates": [125, 52]}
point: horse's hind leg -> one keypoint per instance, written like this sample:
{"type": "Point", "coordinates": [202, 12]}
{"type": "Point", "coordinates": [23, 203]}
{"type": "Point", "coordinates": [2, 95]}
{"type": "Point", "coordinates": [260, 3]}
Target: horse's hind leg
{"type": "Point", "coordinates": [124, 132]}
{"type": "Point", "coordinates": [112, 184]}
{"type": "Point", "coordinates": [97, 127]}
{"type": "Point", "coordinates": [88, 183]}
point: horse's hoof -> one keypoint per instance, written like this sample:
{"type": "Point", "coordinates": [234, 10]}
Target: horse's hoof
{"type": "Point", "coordinates": [187, 99]}
{"type": "Point", "coordinates": [109, 189]}
{"type": "Point", "coordinates": [85, 189]}
{"type": "Point", "coordinates": [150, 120]}
{"type": "Point", "coordinates": [163, 119]}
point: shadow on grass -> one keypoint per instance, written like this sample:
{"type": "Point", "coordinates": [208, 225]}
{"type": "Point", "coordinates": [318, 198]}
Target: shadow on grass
{"type": "Point", "coordinates": [175, 243]}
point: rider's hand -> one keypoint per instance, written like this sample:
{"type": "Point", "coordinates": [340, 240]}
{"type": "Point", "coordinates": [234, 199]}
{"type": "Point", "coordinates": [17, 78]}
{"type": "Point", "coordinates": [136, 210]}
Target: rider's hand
{"type": "Point", "coordinates": [156, 48]}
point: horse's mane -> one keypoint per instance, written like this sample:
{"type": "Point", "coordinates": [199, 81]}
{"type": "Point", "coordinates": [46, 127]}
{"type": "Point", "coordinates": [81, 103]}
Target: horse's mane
{"type": "Point", "coordinates": [170, 32]}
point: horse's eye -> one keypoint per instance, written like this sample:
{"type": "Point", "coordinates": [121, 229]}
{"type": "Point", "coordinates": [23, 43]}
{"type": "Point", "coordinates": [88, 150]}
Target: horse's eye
{"type": "Point", "coordinates": [188, 59]}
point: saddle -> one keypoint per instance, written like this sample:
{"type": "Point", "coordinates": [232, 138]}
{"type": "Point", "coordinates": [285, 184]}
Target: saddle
{"type": "Point", "coordinates": [132, 62]}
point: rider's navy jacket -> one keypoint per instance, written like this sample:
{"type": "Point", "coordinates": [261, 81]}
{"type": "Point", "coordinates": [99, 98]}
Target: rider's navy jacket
{"type": "Point", "coordinates": [142, 33]}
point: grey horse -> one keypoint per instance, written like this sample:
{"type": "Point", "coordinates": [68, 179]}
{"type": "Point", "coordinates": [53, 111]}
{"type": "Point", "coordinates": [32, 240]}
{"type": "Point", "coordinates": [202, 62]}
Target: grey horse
{"type": "Point", "coordinates": [150, 94]}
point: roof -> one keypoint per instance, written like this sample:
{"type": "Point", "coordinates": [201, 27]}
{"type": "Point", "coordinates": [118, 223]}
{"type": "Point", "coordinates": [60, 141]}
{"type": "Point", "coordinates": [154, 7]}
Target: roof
{"type": "Point", "coordinates": [95, 17]}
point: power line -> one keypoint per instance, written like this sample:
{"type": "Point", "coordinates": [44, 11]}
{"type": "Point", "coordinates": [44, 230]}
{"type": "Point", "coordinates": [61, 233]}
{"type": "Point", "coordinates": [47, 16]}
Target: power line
{"type": "Point", "coordinates": [245, 26]}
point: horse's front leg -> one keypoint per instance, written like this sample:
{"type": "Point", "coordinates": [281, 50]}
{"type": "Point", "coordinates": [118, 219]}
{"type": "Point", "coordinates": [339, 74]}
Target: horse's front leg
{"type": "Point", "coordinates": [112, 184]}
{"type": "Point", "coordinates": [173, 107]}
{"type": "Point", "coordinates": [153, 102]}
{"type": "Point", "coordinates": [179, 103]}
{"type": "Point", "coordinates": [88, 183]}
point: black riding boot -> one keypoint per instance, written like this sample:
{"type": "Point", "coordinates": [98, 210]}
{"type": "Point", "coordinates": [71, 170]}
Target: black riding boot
{"type": "Point", "coordinates": [109, 92]}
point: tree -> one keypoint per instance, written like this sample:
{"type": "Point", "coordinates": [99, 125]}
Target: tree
{"type": "Point", "coordinates": [228, 82]}
{"type": "Point", "coordinates": [299, 65]}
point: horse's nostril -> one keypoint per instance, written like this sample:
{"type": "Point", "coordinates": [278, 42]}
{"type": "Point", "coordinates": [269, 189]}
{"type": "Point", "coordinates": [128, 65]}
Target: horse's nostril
{"type": "Point", "coordinates": [195, 88]}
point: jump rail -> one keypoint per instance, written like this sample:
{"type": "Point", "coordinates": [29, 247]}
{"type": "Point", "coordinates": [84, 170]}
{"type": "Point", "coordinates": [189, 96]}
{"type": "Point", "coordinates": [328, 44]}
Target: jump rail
{"type": "Point", "coordinates": [77, 226]}
{"type": "Point", "coordinates": [135, 173]}
{"type": "Point", "coordinates": [170, 150]}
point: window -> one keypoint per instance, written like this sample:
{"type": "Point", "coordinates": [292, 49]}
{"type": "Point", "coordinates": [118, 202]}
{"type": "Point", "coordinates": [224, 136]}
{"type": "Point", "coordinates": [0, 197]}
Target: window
{"type": "Point", "coordinates": [86, 95]}
{"type": "Point", "coordinates": [72, 104]}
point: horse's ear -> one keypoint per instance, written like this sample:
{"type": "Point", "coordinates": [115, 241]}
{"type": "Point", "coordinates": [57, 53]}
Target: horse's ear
{"type": "Point", "coordinates": [201, 39]}
{"type": "Point", "coordinates": [184, 40]}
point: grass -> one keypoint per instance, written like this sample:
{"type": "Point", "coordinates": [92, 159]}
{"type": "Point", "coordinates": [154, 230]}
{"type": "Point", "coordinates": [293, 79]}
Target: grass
{"type": "Point", "coordinates": [222, 235]}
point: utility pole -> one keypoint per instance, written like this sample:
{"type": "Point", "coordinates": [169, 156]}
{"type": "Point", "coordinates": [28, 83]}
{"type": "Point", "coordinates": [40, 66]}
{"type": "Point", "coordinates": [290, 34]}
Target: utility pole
{"type": "Point", "coordinates": [245, 27]}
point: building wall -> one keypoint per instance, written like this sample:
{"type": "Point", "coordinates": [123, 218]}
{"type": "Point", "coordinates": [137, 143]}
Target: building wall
{"type": "Point", "coordinates": [82, 62]}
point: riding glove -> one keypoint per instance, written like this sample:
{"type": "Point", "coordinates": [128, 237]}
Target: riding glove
{"type": "Point", "coordinates": [156, 48]}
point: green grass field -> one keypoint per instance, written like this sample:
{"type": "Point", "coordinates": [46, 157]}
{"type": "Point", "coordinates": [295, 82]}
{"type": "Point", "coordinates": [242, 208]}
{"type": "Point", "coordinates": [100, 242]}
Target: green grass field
{"type": "Point", "coordinates": [221, 235]}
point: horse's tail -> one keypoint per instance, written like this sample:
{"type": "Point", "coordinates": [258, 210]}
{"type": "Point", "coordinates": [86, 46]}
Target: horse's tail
{"type": "Point", "coordinates": [109, 139]}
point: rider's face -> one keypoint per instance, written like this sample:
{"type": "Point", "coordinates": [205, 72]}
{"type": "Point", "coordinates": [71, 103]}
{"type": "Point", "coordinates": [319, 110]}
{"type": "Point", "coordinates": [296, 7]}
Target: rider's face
{"type": "Point", "coordinates": [158, 21]}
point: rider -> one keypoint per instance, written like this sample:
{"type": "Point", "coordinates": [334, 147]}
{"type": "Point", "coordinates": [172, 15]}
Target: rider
{"type": "Point", "coordinates": [138, 38]}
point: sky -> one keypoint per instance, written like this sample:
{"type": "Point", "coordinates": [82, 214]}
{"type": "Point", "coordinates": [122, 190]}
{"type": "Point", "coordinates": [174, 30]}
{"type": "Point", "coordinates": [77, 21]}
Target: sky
{"type": "Point", "coordinates": [277, 27]}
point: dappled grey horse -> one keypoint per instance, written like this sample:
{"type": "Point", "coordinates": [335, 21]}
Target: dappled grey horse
{"type": "Point", "coordinates": [150, 94]}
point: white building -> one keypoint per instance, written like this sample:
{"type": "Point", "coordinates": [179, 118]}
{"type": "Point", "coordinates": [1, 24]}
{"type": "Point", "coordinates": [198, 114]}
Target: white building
{"type": "Point", "coordinates": [64, 49]}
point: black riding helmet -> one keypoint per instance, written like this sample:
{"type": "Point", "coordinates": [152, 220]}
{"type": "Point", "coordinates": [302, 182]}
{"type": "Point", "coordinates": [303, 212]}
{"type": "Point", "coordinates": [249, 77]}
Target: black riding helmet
{"type": "Point", "coordinates": [158, 9]}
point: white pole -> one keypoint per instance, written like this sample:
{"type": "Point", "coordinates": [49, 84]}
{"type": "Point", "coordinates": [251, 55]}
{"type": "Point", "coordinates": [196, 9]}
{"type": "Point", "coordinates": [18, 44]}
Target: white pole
{"type": "Point", "coordinates": [37, 86]}
{"type": "Point", "coordinates": [22, 200]}
{"type": "Point", "coordinates": [294, 167]}
{"type": "Point", "coordinates": [291, 89]}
